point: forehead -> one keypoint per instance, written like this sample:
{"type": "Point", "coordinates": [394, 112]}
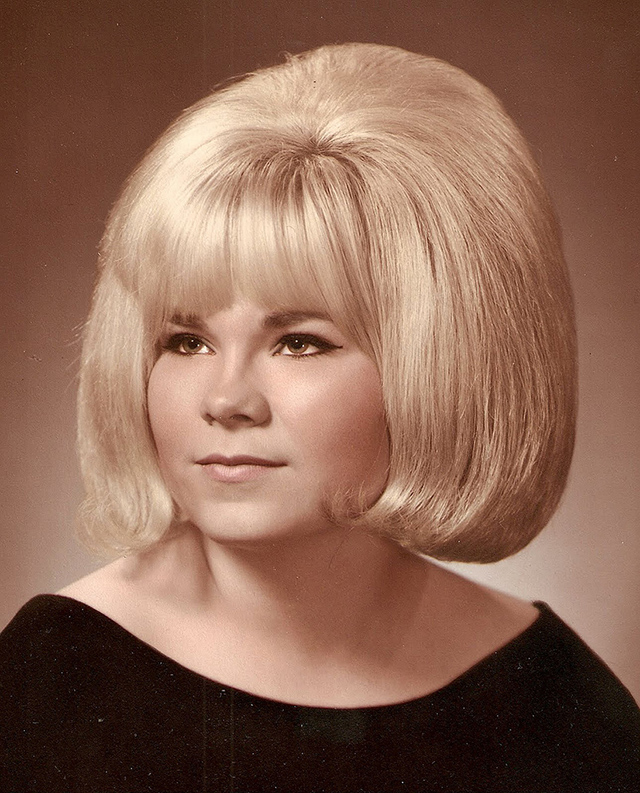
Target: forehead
{"type": "Point", "coordinates": [204, 258]}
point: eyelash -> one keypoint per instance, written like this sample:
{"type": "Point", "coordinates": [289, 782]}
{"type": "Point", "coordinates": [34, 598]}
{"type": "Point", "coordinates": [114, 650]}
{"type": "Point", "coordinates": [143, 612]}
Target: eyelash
{"type": "Point", "coordinates": [174, 343]}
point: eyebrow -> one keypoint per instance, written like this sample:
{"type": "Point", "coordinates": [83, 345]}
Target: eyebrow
{"type": "Point", "coordinates": [187, 321]}
{"type": "Point", "coordinates": [273, 321]}
{"type": "Point", "coordinates": [282, 319]}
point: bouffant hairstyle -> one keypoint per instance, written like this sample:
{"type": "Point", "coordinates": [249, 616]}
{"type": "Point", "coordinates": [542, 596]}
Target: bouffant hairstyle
{"type": "Point", "coordinates": [391, 191]}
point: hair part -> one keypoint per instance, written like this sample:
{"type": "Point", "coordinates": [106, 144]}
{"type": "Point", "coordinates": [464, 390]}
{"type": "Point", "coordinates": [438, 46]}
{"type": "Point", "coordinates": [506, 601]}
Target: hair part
{"type": "Point", "coordinates": [391, 191]}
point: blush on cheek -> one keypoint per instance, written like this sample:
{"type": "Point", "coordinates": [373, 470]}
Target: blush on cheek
{"type": "Point", "coordinates": [353, 438]}
{"type": "Point", "coordinates": [169, 405]}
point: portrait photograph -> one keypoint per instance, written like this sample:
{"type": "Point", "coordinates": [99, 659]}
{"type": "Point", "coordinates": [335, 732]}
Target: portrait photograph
{"type": "Point", "coordinates": [321, 396]}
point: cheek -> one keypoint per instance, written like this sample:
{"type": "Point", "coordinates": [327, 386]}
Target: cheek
{"type": "Point", "coordinates": [162, 402]}
{"type": "Point", "coordinates": [157, 398]}
{"type": "Point", "coordinates": [341, 424]}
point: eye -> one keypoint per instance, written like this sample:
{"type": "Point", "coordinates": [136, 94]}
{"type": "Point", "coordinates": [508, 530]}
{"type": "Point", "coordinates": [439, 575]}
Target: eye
{"type": "Point", "coordinates": [303, 345]}
{"type": "Point", "coordinates": [185, 344]}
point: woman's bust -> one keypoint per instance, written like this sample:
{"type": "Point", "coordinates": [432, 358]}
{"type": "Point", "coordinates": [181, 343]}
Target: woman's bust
{"type": "Point", "coordinates": [331, 343]}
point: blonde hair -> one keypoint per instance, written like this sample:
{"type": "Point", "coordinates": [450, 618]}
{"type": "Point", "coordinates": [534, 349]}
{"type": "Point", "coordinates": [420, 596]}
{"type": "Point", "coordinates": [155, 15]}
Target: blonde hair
{"type": "Point", "coordinates": [392, 191]}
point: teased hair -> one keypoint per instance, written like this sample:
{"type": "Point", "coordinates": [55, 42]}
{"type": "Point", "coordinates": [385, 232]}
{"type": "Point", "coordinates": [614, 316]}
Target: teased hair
{"type": "Point", "coordinates": [392, 191]}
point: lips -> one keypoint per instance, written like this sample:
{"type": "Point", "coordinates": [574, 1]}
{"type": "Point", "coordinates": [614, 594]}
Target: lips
{"type": "Point", "coordinates": [240, 459]}
{"type": "Point", "coordinates": [237, 469]}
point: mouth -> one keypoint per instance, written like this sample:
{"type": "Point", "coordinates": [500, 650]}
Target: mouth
{"type": "Point", "coordinates": [240, 459]}
{"type": "Point", "coordinates": [237, 469]}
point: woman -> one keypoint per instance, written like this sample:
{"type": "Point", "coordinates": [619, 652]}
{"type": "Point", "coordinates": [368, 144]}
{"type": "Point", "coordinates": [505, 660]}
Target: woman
{"type": "Point", "coordinates": [332, 335]}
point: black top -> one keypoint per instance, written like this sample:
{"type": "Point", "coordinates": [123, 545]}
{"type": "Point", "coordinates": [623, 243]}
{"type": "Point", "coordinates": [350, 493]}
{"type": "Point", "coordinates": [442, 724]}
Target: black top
{"type": "Point", "coordinates": [86, 706]}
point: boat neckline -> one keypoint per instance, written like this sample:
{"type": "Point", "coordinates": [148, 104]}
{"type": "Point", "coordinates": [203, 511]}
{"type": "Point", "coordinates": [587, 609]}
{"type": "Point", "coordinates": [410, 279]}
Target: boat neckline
{"type": "Point", "coordinates": [545, 613]}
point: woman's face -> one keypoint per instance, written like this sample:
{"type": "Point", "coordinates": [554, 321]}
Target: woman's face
{"type": "Point", "coordinates": [261, 419]}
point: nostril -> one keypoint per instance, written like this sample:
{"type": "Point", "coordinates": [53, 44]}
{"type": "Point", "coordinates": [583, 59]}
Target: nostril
{"type": "Point", "coordinates": [235, 407]}
{"type": "Point", "coordinates": [234, 418]}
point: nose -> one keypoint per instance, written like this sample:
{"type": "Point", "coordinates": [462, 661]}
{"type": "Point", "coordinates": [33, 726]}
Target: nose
{"type": "Point", "coordinates": [234, 399]}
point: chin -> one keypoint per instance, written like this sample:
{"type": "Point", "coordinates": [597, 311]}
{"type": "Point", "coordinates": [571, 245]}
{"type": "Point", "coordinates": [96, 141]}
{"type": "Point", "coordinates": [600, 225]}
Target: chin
{"type": "Point", "coordinates": [242, 525]}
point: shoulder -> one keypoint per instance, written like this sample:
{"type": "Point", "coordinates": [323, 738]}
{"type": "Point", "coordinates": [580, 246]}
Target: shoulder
{"type": "Point", "coordinates": [100, 586]}
{"type": "Point", "coordinates": [46, 622]}
{"type": "Point", "coordinates": [542, 693]}
{"type": "Point", "coordinates": [58, 652]}
{"type": "Point", "coordinates": [60, 658]}
{"type": "Point", "coordinates": [547, 695]}
{"type": "Point", "coordinates": [50, 661]}
{"type": "Point", "coordinates": [536, 657]}
{"type": "Point", "coordinates": [52, 639]}
{"type": "Point", "coordinates": [82, 700]}
{"type": "Point", "coordinates": [567, 674]}
{"type": "Point", "coordinates": [585, 719]}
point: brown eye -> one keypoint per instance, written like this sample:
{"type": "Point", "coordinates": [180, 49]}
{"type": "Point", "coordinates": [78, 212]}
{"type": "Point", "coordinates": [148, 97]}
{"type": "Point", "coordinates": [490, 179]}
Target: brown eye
{"type": "Point", "coordinates": [190, 345]}
{"type": "Point", "coordinates": [186, 344]}
{"type": "Point", "coordinates": [304, 345]}
{"type": "Point", "coordinates": [297, 346]}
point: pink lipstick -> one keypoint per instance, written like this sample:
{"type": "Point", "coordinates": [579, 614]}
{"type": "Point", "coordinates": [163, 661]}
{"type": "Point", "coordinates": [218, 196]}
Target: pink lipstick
{"type": "Point", "coordinates": [236, 469]}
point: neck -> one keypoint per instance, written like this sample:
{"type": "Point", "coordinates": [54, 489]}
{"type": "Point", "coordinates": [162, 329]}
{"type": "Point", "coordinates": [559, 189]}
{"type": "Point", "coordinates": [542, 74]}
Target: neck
{"type": "Point", "coordinates": [335, 592]}
{"type": "Point", "coordinates": [335, 618]}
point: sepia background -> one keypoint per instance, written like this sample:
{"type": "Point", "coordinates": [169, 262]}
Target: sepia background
{"type": "Point", "coordinates": [88, 85]}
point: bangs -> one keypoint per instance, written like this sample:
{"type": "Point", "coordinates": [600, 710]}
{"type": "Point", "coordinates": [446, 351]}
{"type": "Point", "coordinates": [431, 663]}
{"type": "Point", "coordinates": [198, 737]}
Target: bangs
{"type": "Point", "coordinates": [286, 233]}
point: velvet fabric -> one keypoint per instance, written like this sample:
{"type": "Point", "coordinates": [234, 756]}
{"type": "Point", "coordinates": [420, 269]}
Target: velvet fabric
{"type": "Point", "coordinates": [85, 706]}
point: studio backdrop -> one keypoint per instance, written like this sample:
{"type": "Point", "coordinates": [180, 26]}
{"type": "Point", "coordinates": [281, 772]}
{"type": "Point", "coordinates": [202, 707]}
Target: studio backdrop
{"type": "Point", "coordinates": [89, 85]}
